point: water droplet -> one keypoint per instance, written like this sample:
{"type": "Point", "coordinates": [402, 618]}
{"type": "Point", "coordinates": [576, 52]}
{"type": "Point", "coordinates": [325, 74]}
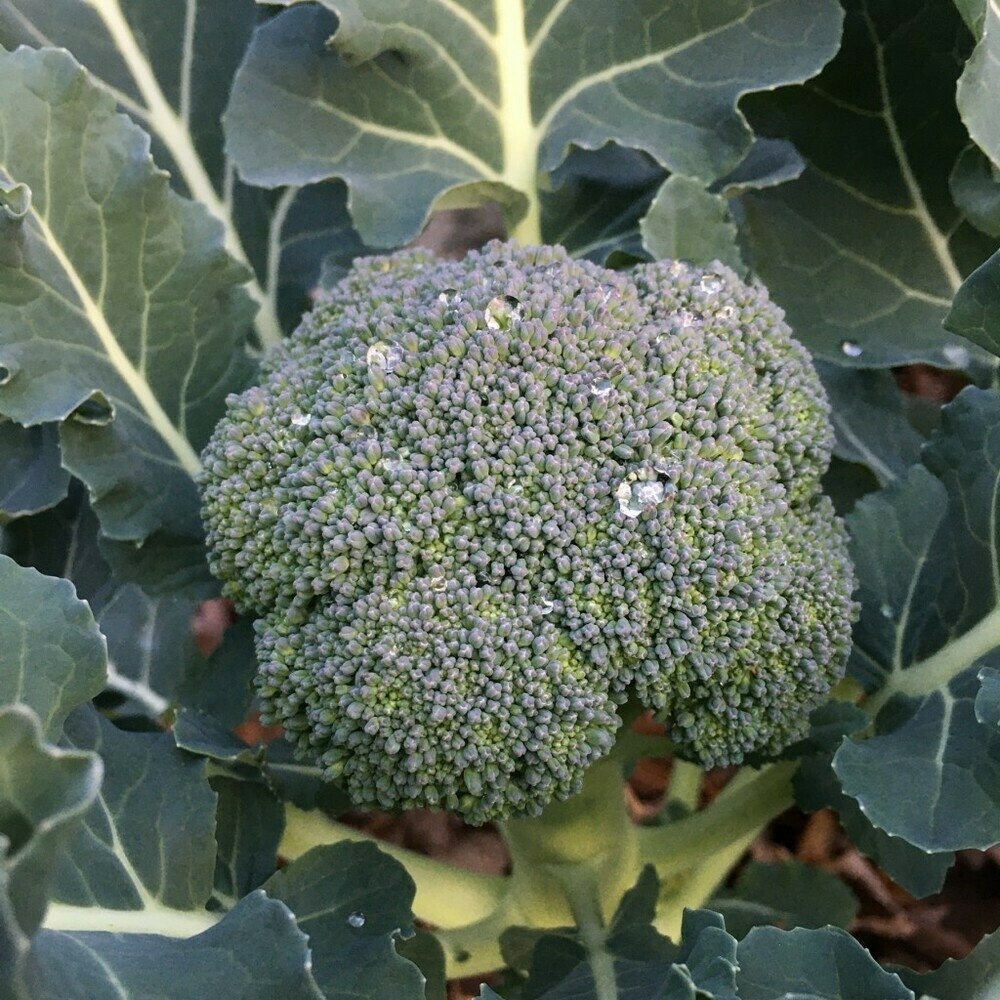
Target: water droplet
{"type": "Point", "coordinates": [955, 355]}
{"type": "Point", "coordinates": [449, 297]}
{"type": "Point", "coordinates": [502, 311]}
{"type": "Point", "coordinates": [384, 355]}
{"type": "Point", "coordinates": [7, 372]}
{"type": "Point", "coordinates": [851, 349]}
{"type": "Point", "coordinates": [728, 313]}
{"type": "Point", "coordinates": [300, 419]}
{"type": "Point", "coordinates": [710, 284]}
{"type": "Point", "coordinates": [648, 494]}
{"type": "Point", "coordinates": [545, 608]}
{"type": "Point", "coordinates": [886, 611]}
{"type": "Point", "coordinates": [437, 579]}
{"type": "Point", "coordinates": [601, 386]}
{"type": "Point", "coordinates": [684, 320]}
{"type": "Point", "coordinates": [391, 461]}
{"type": "Point", "coordinates": [356, 919]}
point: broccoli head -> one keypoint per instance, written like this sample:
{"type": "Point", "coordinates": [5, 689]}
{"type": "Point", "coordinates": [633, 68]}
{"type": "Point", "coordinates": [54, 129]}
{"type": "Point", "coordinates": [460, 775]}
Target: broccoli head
{"type": "Point", "coordinates": [478, 505]}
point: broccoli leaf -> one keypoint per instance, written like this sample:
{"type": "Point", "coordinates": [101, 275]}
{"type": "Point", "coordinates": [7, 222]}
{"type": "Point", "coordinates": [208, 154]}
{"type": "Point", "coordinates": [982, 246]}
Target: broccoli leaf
{"type": "Point", "coordinates": [248, 824]}
{"type": "Point", "coordinates": [686, 222]}
{"type": "Point", "coordinates": [120, 310]}
{"type": "Point", "coordinates": [170, 66]}
{"type": "Point", "coordinates": [975, 977]}
{"type": "Point", "coordinates": [116, 863]}
{"type": "Point", "coordinates": [353, 901]}
{"type": "Point", "coordinates": [867, 414]}
{"type": "Point", "coordinates": [917, 871]}
{"type": "Point", "coordinates": [866, 250]}
{"type": "Point", "coordinates": [153, 659]}
{"type": "Point", "coordinates": [52, 656]}
{"type": "Point", "coordinates": [925, 554]}
{"type": "Point", "coordinates": [980, 83]}
{"type": "Point", "coordinates": [975, 186]}
{"type": "Point", "coordinates": [255, 953]}
{"type": "Point", "coordinates": [31, 474]}
{"type": "Point", "coordinates": [377, 99]}
{"type": "Point", "coordinates": [787, 895]}
{"type": "Point", "coordinates": [825, 964]}
{"type": "Point", "coordinates": [43, 794]}
{"type": "Point", "coordinates": [975, 312]}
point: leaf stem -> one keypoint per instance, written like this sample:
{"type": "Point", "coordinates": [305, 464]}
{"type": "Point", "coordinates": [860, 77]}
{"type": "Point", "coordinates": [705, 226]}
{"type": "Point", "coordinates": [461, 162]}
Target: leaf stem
{"type": "Point", "coordinates": [745, 805]}
{"type": "Point", "coordinates": [446, 896]}
{"type": "Point", "coordinates": [520, 145]}
{"type": "Point", "coordinates": [941, 667]}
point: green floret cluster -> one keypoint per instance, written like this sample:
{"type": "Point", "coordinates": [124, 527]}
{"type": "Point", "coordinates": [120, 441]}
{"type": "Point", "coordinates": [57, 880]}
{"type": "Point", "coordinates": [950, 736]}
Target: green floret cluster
{"type": "Point", "coordinates": [478, 505]}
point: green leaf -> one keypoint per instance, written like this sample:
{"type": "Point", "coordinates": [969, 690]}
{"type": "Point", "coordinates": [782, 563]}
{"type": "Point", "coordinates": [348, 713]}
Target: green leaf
{"type": "Point", "coordinates": [686, 222]}
{"type": "Point", "coordinates": [867, 414]}
{"type": "Point", "coordinates": [412, 123]}
{"type": "Point", "coordinates": [975, 313]}
{"type": "Point", "coordinates": [768, 162]}
{"type": "Point", "coordinates": [170, 67]}
{"type": "Point", "coordinates": [44, 792]}
{"type": "Point", "coordinates": [31, 474]}
{"type": "Point", "coordinates": [248, 825]}
{"type": "Point", "coordinates": [924, 551]}
{"type": "Point", "coordinates": [119, 308]}
{"type": "Point", "coordinates": [866, 250]}
{"type": "Point", "coordinates": [975, 977]}
{"type": "Point", "coordinates": [787, 895]}
{"type": "Point", "coordinates": [52, 656]}
{"type": "Point", "coordinates": [805, 964]}
{"type": "Point", "coordinates": [146, 853]}
{"type": "Point", "coordinates": [353, 901]}
{"type": "Point", "coordinates": [425, 952]}
{"type": "Point", "coordinates": [153, 660]}
{"type": "Point", "coordinates": [255, 953]}
{"type": "Point", "coordinates": [918, 871]}
{"type": "Point", "coordinates": [975, 186]}
{"type": "Point", "coordinates": [980, 83]}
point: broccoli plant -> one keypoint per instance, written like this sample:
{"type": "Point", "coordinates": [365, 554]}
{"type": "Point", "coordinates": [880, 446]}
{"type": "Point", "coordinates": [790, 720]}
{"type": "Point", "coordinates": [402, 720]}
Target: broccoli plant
{"type": "Point", "coordinates": [305, 527]}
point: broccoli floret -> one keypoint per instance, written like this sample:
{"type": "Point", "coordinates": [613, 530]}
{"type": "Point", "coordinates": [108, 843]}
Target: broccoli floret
{"type": "Point", "coordinates": [478, 505]}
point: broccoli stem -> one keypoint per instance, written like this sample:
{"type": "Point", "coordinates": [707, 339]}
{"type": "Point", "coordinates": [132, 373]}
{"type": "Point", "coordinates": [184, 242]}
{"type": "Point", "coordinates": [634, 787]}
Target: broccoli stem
{"type": "Point", "coordinates": [446, 896]}
{"type": "Point", "coordinates": [741, 810]}
{"type": "Point", "coordinates": [685, 785]}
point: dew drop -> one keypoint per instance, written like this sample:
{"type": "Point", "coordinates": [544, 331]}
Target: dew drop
{"type": "Point", "coordinates": [955, 355]}
{"type": "Point", "coordinates": [648, 494]}
{"type": "Point", "coordinates": [728, 313]}
{"type": "Point", "coordinates": [391, 461]}
{"type": "Point", "coordinates": [601, 387]}
{"type": "Point", "coordinates": [383, 355]}
{"type": "Point", "coordinates": [710, 284]}
{"type": "Point", "coordinates": [7, 372]}
{"type": "Point", "coordinates": [684, 320]}
{"type": "Point", "coordinates": [545, 608]}
{"type": "Point", "coordinates": [851, 349]}
{"type": "Point", "coordinates": [449, 297]}
{"type": "Point", "coordinates": [356, 919]}
{"type": "Point", "coordinates": [437, 579]}
{"type": "Point", "coordinates": [300, 419]}
{"type": "Point", "coordinates": [502, 311]}
{"type": "Point", "coordinates": [886, 611]}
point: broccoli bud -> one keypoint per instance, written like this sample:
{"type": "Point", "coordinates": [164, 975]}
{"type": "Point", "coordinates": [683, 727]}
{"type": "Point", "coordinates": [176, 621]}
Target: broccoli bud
{"type": "Point", "coordinates": [477, 505]}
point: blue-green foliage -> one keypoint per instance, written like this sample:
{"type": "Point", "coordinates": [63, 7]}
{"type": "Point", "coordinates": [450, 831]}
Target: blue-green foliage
{"type": "Point", "coordinates": [477, 505]}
